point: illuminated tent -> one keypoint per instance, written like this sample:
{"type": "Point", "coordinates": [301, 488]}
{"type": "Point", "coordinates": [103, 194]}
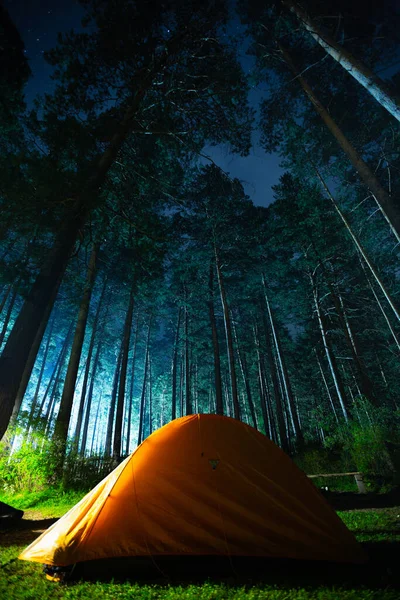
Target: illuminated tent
{"type": "Point", "coordinates": [202, 485]}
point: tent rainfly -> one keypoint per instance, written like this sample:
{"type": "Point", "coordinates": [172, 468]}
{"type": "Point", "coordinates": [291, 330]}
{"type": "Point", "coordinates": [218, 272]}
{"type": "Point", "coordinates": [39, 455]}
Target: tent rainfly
{"type": "Point", "coordinates": [202, 485]}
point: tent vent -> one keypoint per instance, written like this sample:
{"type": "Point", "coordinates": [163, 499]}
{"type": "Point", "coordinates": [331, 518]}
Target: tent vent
{"type": "Point", "coordinates": [213, 463]}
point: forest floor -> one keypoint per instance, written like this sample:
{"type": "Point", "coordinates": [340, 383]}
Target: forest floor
{"type": "Point", "coordinates": [376, 527]}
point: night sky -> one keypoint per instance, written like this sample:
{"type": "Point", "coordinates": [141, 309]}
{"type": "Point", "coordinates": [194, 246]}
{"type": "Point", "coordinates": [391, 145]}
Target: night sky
{"type": "Point", "coordinates": [39, 21]}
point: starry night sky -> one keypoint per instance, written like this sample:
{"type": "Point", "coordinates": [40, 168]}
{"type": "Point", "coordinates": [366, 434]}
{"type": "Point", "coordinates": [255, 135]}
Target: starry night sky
{"type": "Point", "coordinates": [39, 21]}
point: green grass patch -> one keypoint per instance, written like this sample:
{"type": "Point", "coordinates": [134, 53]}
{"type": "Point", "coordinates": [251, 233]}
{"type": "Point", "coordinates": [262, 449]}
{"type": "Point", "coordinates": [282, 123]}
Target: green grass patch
{"type": "Point", "coordinates": [51, 502]}
{"type": "Point", "coordinates": [379, 525]}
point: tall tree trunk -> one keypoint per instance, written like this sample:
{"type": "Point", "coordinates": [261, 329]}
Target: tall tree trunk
{"type": "Point", "coordinates": [215, 344]}
{"type": "Point", "coordinates": [385, 202]}
{"type": "Point", "coordinates": [282, 364]}
{"type": "Point", "coordinates": [89, 400]}
{"type": "Point", "coordinates": [359, 247]}
{"type": "Point", "coordinates": [327, 388]}
{"type": "Point", "coordinates": [245, 375]}
{"type": "Point", "coordinates": [365, 382]}
{"type": "Point", "coordinates": [29, 368]}
{"type": "Point", "coordinates": [229, 340]}
{"type": "Point", "coordinates": [96, 420]}
{"type": "Point", "coordinates": [328, 351]}
{"type": "Point", "coordinates": [64, 414]}
{"type": "Point", "coordinates": [143, 396]}
{"type": "Point", "coordinates": [22, 336]}
{"type": "Point", "coordinates": [261, 382]}
{"type": "Point", "coordinates": [188, 399]}
{"type": "Point", "coordinates": [150, 400]}
{"type": "Point", "coordinates": [111, 412]}
{"type": "Point", "coordinates": [117, 445]}
{"type": "Point", "coordinates": [81, 408]}
{"type": "Point", "coordinates": [181, 380]}
{"type": "Point", "coordinates": [174, 366]}
{"type": "Point", "coordinates": [355, 67]}
{"type": "Point", "coordinates": [9, 313]}
{"type": "Point", "coordinates": [128, 430]}
{"type": "Point", "coordinates": [39, 381]}
{"type": "Point", "coordinates": [5, 298]}
{"type": "Point", "coordinates": [276, 390]}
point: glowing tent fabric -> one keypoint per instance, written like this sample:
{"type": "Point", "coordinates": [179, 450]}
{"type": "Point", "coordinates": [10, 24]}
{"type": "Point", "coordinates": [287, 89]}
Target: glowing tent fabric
{"type": "Point", "coordinates": [201, 485]}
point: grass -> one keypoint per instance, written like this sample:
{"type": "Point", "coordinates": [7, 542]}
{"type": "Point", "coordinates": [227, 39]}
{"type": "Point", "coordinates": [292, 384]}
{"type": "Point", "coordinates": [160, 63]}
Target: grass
{"type": "Point", "coordinates": [20, 580]}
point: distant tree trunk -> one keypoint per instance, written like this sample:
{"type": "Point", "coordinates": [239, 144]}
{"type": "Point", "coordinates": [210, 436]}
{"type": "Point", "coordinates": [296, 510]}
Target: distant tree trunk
{"type": "Point", "coordinates": [29, 368]}
{"type": "Point", "coordinates": [39, 381]}
{"type": "Point", "coordinates": [64, 414]}
{"type": "Point", "coordinates": [174, 366]}
{"type": "Point", "coordinates": [243, 369]}
{"type": "Point", "coordinates": [229, 340]}
{"type": "Point", "coordinates": [181, 380]}
{"type": "Point", "coordinates": [96, 420]}
{"type": "Point", "coordinates": [111, 412]}
{"type": "Point", "coordinates": [89, 401]}
{"type": "Point", "coordinates": [145, 372]}
{"type": "Point", "coordinates": [60, 366]}
{"type": "Point", "coordinates": [188, 407]}
{"type": "Point", "coordinates": [327, 388]}
{"type": "Point", "coordinates": [214, 336]}
{"type": "Point", "coordinates": [278, 398]}
{"type": "Point", "coordinates": [359, 247]}
{"type": "Point", "coordinates": [117, 446]}
{"type": "Point", "coordinates": [21, 338]}
{"type": "Point", "coordinates": [261, 383]}
{"type": "Point", "coordinates": [355, 67]}
{"type": "Point", "coordinates": [329, 354]}
{"type": "Point", "coordinates": [9, 312]}
{"type": "Point", "coordinates": [150, 400]}
{"type": "Point", "coordinates": [385, 203]}
{"type": "Point", "coordinates": [282, 364]}
{"type": "Point", "coordinates": [128, 431]}
{"type": "Point", "coordinates": [81, 408]}
{"type": "Point", "coordinates": [5, 298]}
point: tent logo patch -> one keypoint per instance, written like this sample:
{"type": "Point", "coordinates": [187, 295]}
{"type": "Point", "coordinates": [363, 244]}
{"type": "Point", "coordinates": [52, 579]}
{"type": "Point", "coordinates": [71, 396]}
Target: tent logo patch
{"type": "Point", "coordinates": [214, 463]}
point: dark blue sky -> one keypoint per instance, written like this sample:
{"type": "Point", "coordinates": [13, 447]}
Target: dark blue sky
{"type": "Point", "coordinates": [39, 21]}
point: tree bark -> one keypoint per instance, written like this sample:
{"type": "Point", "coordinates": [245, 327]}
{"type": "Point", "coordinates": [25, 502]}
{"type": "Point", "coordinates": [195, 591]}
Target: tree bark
{"type": "Point", "coordinates": [215, 344]}
{"type": "Point", "coordinates": [245, 375]}
{"type": "Point", "coordinates": [355, 67]}
{"type": "Point", "coordinates": [143, 396]}
{"type": "Point", "coordinates": [5, 298]}
{"type": "Point", "coordinates": [64, 414]}
{"type": "Point", "coordinates": [117, 445]}
{"type": "Point", "coordinates": [229, 340]}
{"type": "Point", "coordinates": [174, 366]}
{"type": "Point", "coordinates": [384, 201]}
{"type": "Point", "coordinates": [329, 354]}
{"type": "Point", "coordinates": [81, 408]}
{"type": "Point", "coordinates": [96, 420]}
{"type": "Point", "coordinates": [9, 313]}
{"type": "Point", "coordinates": [188, 399]}
{"type": "Point", "coordinates": [111, 412]}
{"type": "Point", "coordinates": [282, 364]}
{"type": "Point", "coordinates": [89, 401]}
{"type": "Point", "coordinates": [128, 431]}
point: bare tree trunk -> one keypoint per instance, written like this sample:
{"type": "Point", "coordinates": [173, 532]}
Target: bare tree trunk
{"type": "Point", "coordinates": [282, 364]}
{"type": "Point", "coordinates": [243, 369]}
{"type": "Point", "coordinates": [189, 409]}
{"type": "Point", "coordinates": [384, 201]}
{"type": "Point", "coordinates": [327, 388]}
{"type": "Point", "coordinates": [261, 383]}
{"type": "Point", "coordinates": [9, 312]}
{"type": "Point", "coordinates": [174, 366]}
{"type": "Point", "coordinates": [359, 247]}
{"type": "Point", "coordinates": [96, 420]}
{"type": "Point", "coordinates": [5, 298]}
{"type": "Point", "coordinates": [111, 412]}
{"type": "Point", "coordinates": [143, 396]}
{"type": "Point", "coordinates": [89, 401]}
{"type": "Point", "coordinates": [64, 414]}
{"type": "Point", "coordinates": [128, 430]}
{"type": "Point", "coordinates": [181, 380]}
{"type": "Point", "coordinates": [215, 344]}
{"type": "Point", "coordinates": [329, 354]}
{"type": "Point", "coordinates": [150, 400]}
{"type": "Point", "coordinates": [81, 408]}
{"type": "Point", "coordinates": [355, 67]}
{"type": "Point", "coordinates": [229, 340]}
{"type": "Point", "coordinates": [117, 446]}
{"type": "Point", "coordinates": [60, 366]}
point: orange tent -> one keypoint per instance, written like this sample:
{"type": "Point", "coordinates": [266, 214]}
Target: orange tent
{"type": "Point", "coordinates": [201, 485]}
